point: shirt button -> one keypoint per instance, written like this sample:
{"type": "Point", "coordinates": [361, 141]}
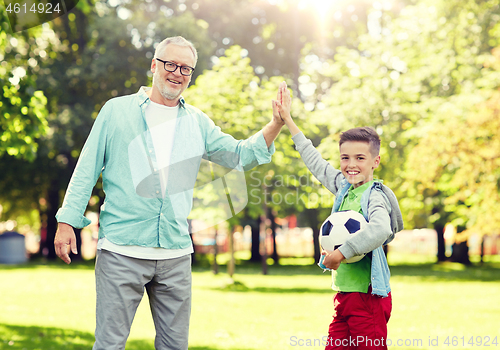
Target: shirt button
{"type": "Point", "coordinates": [161, 214]}
{"type": "Point", "coordinates": [150, 151]}
{"type": "Point", "coordinates": [157, 192]}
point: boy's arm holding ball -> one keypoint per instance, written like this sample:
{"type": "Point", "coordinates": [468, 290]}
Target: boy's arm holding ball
{"type": "Point", "coordinates": [332, 259]}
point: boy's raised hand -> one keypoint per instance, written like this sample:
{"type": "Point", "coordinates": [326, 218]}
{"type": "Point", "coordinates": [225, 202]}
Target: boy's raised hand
{"type": "Point", "coordinates": [283, 102]}
{"type": "Point", "coordinates": [276, 103]}
{"type": "Point", "coordinates": [283, 106]}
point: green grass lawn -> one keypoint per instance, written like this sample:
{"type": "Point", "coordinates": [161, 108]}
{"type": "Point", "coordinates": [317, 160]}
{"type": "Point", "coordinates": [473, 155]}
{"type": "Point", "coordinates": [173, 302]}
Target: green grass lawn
{"type": "Point", "coordinates": [52, 306]}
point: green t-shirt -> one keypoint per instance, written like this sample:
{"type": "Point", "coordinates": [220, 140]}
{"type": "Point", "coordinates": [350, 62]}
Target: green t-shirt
{"type": "Point", "coordinates": [353, 277]}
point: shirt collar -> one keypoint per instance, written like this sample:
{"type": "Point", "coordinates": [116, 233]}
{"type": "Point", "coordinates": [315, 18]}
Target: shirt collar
{"type": "Point", "coordinates": [144, 98]}
{"type": "Point", "coordinates": [359, 190]}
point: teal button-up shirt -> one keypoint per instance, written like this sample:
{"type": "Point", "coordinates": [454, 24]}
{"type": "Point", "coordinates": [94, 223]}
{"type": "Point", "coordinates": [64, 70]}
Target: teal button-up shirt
{"type": "Point", "coordinates": [120, 147]}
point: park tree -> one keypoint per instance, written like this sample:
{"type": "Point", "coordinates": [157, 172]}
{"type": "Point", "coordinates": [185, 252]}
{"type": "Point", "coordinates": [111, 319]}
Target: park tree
{"type": "Point", "coordinates": [405, 70]}
{"type": "Point", "coordinates": [93, 55]}
{"type": "Point", "coordinates": [274, 33]}
{"type": "Point", "coordinates": [404, 76]}
{"type": "Point", "coordinates": [458, 159]}
{"type": "Point", "coordinates": [472, 79]}
{"type": "Point", "coordinates": [81, 58]}
{"type": "Point", "coordinates": [23, 118]}
{"type": "Point", "coordinates": [239, 102]}
{"type": "Point", "coordinates": [74, 79]}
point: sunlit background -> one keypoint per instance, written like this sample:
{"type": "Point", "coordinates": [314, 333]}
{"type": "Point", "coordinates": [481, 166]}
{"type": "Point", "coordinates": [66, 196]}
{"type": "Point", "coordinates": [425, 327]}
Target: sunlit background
{"type": "Point", "coordinates": [424, 73]}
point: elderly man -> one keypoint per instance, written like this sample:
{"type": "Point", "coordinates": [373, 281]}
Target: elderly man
{"type": "Point", "coordinates": [148, 147]}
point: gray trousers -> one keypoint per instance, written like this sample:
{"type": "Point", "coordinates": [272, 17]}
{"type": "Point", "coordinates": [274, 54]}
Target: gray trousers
{"type": "Point", "coordinates": [120, 284]}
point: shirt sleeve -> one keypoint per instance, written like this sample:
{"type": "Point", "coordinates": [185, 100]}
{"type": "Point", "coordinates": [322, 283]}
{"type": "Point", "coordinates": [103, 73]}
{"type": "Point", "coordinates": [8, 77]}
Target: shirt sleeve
{"type": "Point", "coordinates": [320, 168]}
{"type": "Point", "coordinates": [376, 231]}
{"type": "Point", "coordinates": [225, 150]}
{"type": "Point", "coordinates": [85, 175]}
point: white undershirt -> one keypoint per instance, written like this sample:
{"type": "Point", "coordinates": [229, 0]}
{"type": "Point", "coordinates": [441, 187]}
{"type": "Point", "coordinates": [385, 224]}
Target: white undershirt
{"type": "Point", "coordinates": [161, 121]}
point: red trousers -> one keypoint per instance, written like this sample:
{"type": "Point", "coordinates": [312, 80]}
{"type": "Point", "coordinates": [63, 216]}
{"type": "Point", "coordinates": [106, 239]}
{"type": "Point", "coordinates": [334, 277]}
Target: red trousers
{"type": "Point", "coordinates": [359, 321]}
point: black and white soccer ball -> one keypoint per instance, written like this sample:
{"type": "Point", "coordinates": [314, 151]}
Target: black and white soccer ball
{"type": "Point", "coordinates": [338, 228]}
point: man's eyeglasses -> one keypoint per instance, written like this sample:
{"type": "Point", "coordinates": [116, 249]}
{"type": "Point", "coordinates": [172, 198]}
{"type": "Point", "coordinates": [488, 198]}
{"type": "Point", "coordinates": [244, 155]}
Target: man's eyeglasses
{"type": "Point", "coordinates": [172, 67]}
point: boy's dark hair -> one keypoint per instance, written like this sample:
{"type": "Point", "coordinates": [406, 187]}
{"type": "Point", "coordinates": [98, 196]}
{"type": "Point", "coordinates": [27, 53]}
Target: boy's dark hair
{"type": "Point", "coordinates": [362, 134]}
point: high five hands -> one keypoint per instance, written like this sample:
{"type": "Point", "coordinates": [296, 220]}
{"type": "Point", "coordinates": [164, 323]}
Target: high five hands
{"type": "Point", "coordinates": [282, 106]}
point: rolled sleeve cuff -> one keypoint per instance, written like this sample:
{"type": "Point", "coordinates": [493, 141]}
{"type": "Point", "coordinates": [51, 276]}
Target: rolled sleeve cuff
{"type": "Point", "coordinates": [347, 251]}
{"type": "Point", "coordinates": [262, 153]}
{"type": "Point", "coordinates": [72, 218]}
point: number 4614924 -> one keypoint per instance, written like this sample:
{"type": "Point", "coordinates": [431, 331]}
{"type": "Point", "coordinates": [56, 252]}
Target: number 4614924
{"type": "Point", "coordinates": [472, 341]}
{"type": "Point", "coordinates": [35, 8]}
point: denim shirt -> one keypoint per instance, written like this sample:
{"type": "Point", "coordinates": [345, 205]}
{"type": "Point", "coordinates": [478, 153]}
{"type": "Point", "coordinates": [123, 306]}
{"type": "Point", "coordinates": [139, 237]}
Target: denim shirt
{"type": "Point", "coordinates": [120, 148]}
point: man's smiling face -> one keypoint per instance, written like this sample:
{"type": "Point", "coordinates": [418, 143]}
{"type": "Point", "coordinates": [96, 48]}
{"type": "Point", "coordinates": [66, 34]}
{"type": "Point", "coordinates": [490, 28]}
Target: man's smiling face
{"type": "Point", "coordinates": [168, 86]}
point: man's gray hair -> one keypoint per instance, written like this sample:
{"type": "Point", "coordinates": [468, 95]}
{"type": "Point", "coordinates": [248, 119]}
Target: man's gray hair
{"type": "Point", "coordinates": [176, 40]}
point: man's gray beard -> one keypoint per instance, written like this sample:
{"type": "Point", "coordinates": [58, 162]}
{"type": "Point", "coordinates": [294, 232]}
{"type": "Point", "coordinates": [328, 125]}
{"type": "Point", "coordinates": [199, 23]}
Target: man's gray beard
{"type": "Point", "coordinates": [164, 90]}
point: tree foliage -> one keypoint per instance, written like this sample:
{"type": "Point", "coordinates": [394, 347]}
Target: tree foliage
{"type": "Point", "coordinates": [240, 103]}
{"type": "Point", "coordinates": [409, 73]}
{"type": "Point", "coordinates": [23, 118]}
{"type": "Point", "coordinates": [422, 73]}
{"type": "Point", "coordinates": [90, 56]}
{"type": "Point", "coordinates": [460, 160]}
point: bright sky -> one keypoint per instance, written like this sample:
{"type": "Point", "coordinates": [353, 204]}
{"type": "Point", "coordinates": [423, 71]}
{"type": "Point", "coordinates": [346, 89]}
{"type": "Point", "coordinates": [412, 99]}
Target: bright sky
{"type": "Point", "coordinates": [321, 6]}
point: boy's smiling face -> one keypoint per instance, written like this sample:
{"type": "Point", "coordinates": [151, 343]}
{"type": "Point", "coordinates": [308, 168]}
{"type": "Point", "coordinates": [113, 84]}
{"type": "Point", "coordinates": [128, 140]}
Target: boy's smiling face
{"type": "Point", "coordinates": [357, 162]}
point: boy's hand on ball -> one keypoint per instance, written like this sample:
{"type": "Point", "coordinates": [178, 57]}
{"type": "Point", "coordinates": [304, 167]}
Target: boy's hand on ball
{"type": "Point", "coordinates": [332, 258]}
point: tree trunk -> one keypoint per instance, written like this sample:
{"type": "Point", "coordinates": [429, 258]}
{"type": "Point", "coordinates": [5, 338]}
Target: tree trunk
{"type": "Point", "coordinates": [460, 249]}
{"type": "Point", "coordinates": [264, 245]}
{"type": "Point", "coordinates": [271, 217]}
{"type": "Point", "coordinates": [255, 250]}
{"type": "Point", "coordinates": [52, 206]}
{"type": "Point", "coordinates": [482, 249]}
{"type": "Point", "coordinates": [215, 266]}
{"type": "Point", "coordinates": [441, 247]}
{"type": "Point", "coordinates": [460, 253]}
{"type": "Point", "coordinates": [231, 262]}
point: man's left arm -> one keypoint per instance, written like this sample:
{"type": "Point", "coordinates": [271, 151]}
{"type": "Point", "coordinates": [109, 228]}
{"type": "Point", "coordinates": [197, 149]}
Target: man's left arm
{"type": "Point", "coordinates": [250, 152]}
{"type": "Point", "coordinates": [271, 131]}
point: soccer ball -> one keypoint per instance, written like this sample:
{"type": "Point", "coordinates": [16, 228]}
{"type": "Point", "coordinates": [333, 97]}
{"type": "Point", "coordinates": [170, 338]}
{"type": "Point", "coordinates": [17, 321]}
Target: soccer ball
{"type": "Point", "coordinates": [338, 228]}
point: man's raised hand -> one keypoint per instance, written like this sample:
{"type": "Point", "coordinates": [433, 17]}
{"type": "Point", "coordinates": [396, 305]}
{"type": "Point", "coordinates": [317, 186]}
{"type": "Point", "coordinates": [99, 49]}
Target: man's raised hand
{"type": "Point", "coordinates": [284, 105]}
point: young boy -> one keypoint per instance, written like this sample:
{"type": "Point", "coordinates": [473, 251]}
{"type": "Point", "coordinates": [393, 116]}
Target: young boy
{"type": "Point", "coordinates": [362, 306]}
